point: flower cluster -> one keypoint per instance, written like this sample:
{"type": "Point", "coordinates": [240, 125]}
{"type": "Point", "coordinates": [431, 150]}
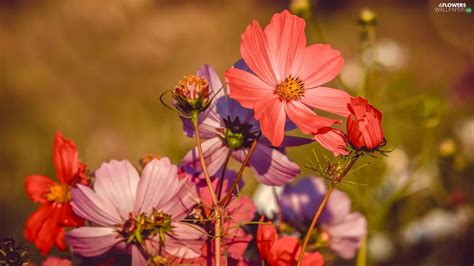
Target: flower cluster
{"type": "Point", "coordinates": [194, 212]}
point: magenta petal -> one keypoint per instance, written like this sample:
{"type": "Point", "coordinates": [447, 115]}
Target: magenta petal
{"type": "Point", "coordinates": [117, 182]}
{"type": "Point", "coordinates": [92, 241]}
{"type": "Point", "coordinates": [327, 99]}
{"type": "Point", "coordinates": [270, 165]}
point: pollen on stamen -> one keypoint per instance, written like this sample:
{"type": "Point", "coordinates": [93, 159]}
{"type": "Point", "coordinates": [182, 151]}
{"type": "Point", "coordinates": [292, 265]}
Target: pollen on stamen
{"type": "Point", "coordinates": [292, 88]}
{"type": "Point", "coordinates": [58, 194]}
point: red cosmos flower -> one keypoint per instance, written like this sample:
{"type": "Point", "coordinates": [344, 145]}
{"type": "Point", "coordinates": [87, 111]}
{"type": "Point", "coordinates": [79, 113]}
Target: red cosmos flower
{"type": "Point", "coordinates": [282, 251]}
{"type": "Point", "coordinates": [287, 78]}
{"type": "Point", "coordinates": [364, 128]}
{"type": "Point", "coordinates": [45, 227]}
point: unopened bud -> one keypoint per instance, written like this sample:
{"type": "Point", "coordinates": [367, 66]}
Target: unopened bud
{"type": "Point", "coordinates": [192, 94]}
{"type": "Point", "coordinates": [367, 17]}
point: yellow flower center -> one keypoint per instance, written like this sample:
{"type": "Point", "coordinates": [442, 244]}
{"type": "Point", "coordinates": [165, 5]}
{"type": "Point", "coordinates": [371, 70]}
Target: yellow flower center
{"type": "Point", "coordinates": [290, 89]}
{"type": "Point", "coordinates": [58, 194]}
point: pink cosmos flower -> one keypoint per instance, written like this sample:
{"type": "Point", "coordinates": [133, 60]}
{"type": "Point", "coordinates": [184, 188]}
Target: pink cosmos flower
{"type": "Point", "coordinates": [286, 78]}
{"type": "Point", "coordinates": [228, 127]}
{"type": "Point", "coordinates": [121, 202]}
{"type": "Point", "coordinates": [341, 229]}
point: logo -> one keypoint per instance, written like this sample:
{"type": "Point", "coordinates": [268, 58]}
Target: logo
{"type": "Point", "coordinates": [453, 7]}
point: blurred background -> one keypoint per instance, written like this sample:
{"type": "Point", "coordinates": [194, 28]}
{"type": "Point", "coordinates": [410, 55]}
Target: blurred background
{"type": "Point", "coordinates": [95, 70]}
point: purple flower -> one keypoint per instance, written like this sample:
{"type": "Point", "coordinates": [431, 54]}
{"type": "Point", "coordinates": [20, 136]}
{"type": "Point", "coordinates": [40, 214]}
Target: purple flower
{"type": "Point", "coordinates": [342, 228]}
{"type": "Point", "coordinates": [227, 127]}
{"type": "Point", "coordinates": [127, 212]}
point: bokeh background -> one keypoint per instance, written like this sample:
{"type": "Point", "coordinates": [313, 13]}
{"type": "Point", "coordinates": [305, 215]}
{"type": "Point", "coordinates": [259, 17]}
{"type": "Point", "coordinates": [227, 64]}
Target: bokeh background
{"type": "Point", "coordinates": [95, 69]}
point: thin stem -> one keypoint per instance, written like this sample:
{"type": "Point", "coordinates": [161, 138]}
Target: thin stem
{"type": "Point", "coordinates": [224, 169]}
{"type": "Point", "coordinates": [241, 171]}
{"type": "Point", "coordinates": [279, 214]}
{"type": "Point", "coordinates": [201, 158]}
{"type": "Point", "coordinates": [217, 240]}
{"type": "Point", "coordinates": [348, 167]}
{"type": "Point", "coordinates": [313, 223]}
{"type": "Point", "coordinates": [336, 180]}
{"type": "Point", "coordinates": [217, 228]}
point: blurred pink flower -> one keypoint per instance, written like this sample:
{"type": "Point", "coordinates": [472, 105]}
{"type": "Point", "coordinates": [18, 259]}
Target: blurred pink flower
{"type": "Point", "coordinates": [121, 198]}
{"type": "Point", "coordinates": [342, 228]}
{"type": "Point", "coordinates": [286, 78]}
{"type": "Point", "coordinates": [228, 127]}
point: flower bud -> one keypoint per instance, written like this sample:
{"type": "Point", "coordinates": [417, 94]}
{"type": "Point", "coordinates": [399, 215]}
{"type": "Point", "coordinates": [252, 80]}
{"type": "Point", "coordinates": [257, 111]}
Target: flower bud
{"type": "Point", "coordinates": [364, 126]}
{"type": "Point", "coordinates": [191, 94]}
{"type": "Point", "coordinates": [367, 17]}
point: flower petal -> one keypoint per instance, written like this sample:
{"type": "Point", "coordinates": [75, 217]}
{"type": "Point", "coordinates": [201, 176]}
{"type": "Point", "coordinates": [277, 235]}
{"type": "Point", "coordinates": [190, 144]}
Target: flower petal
{"type": "Point", "coordinates": [117, 182]}
{"type": "Point", "coordinates": [271, 167]}
{"type": "Point", "coordinates": [332, 139]}
{"type": "Point", "coordinates": [91, 241]}
{"type": "Point", "coordinates": [160, 175]}
{"type": "Point", "coordinates": [338, 206]}
{"type": "Point", "coordinates": [286, 42]}
{"type": "Point", "coordinates": [66, 158]}
{"type": "Point", "coordinates": [321, 64]}
{"type": "Point", "coordinates": [42, 227]}
{"type": "Point", "coordinates": [186, 241]}
{"type": "Point", "coordinates": [347, 234]}
{"type": "Point", "coordinates": [246, 88]}
{"type": "Point", "coordinates": [215, 84]}
{"type": "Point", "coordinates": [284, 251]}
{"type": "Point", "coordinates": [214, 155]}
{"type": "Point", "coordinates": [306, 120]}
{"type": "Point", "coordinates": [266, 237]}
{"type": "Point", "coordinates": [255, 52]}
{"type": "Point", "coordinates": [312, 259]}
{"type": "Point", "coordinates": [271, 114]}
{"type": "Point", "coordinates": [92, 207]}
{"type": "Point", "coordinates": [37, 186]}
{"type": "Point", "coordinates": [137, 257]}
{"type": "Point", "coordinates": [327, 99]}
